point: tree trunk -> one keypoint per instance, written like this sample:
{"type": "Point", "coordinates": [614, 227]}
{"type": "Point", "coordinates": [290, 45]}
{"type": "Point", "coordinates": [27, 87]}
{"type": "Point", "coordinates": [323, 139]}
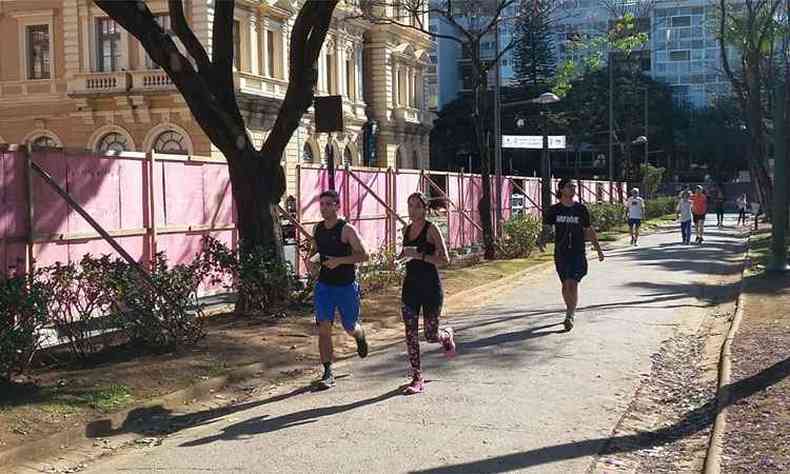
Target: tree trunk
{"type": "Point", "coordinates": [481, 110]}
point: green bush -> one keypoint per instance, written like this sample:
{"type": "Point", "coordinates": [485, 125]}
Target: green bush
{"type": "Point", "coordinates": [23, 312]}
{"type": "Point", "coordinates": [520, 236]}
{"type": "Point", "coordinates": [606, 216]}
{"type": "Point", "coordinates": [660, 207]}
{"type": "Point", "coordinates": [165, 317]}
{"type": "Point", "coordinates": [260, 279]}
{"type": "Point", "coordinates": [381, 271]}
{"type": "Point", "coordinates": [82, 298]}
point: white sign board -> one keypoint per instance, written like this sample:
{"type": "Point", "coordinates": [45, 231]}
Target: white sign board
{"type": "Point", "coordinates": [534, 142]}
{"type": "Point", "coordinates": [556, 142]}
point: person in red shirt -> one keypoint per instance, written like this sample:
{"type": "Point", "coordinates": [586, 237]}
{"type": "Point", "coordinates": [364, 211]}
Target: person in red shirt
{"type": "Point", "coordinates": [699, 207]}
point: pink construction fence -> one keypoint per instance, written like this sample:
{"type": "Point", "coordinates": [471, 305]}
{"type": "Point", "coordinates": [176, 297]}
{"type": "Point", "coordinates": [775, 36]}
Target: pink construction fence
{"type": "Point", "coordinates": [167, 203]}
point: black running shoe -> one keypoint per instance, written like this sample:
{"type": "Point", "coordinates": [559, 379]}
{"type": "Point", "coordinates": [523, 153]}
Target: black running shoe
{"type": "Point", "coordinates": [327, 381]}
{"type": "Point", "coordinates": [362, 345]}
{"type": "Point", "coordinates": [569, 320]}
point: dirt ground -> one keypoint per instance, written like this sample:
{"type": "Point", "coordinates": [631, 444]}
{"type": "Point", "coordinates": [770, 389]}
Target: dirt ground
{"type": "Point", "coordinates": [757, 439]}
{"type": "Point", "coordinates": [64, 395]}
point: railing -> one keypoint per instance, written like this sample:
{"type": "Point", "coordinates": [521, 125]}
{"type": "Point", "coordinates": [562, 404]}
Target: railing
{"type": "Point", "coordinates": [407, 114]}
{"type": "Point", "coordinates": [151, 80]}
{"type": "Point", "coordinates": [99, 83]}
{"type": "Point", "coordinates": [259, 85]}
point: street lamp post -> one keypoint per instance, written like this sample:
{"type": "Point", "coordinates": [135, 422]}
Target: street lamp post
{"type": "Point", "coordinates": [520, 123]}
{"type": "Point", "coordinates": [545, 180]}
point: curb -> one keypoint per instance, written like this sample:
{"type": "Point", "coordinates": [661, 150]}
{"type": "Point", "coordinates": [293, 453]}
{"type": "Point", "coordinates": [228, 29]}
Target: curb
{"type": "Point", "coordinates": [716, 442]}
{"type": "Point", "coordinates": [84, 435]}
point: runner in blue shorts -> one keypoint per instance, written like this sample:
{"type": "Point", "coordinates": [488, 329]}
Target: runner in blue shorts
{"type": "Point", "coordinates": [338, 249]}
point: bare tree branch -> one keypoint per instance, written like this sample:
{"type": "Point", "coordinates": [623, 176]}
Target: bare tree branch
{"type": "Point", "coordinates": [308, 34]}
{"type": "Point", "coordinates": [187, 36]}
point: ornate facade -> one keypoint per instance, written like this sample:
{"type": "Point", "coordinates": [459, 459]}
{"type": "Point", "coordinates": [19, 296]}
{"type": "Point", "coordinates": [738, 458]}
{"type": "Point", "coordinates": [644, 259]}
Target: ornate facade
{"type": "Point", "coordinates": [70, 77]}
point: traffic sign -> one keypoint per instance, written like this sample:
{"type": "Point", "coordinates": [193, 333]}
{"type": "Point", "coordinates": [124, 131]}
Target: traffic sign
{"type": "Point", "coordinates": [556, 142]}
{"type": "Point", "coordinates": [534, 142]}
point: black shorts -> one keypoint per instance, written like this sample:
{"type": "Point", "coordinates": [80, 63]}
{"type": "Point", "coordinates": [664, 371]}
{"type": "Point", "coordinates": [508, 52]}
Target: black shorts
{"type": "Point", "coordinates": [634, 222]}
{"type": "Point", "coordinates": [571, 267]}
{"type": "Point", "coordinates": [699, 218]}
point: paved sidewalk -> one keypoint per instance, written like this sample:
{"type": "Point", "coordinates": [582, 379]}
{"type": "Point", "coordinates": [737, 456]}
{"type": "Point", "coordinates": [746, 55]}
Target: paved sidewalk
{"type": "Point", "coordinates": [522, 395]}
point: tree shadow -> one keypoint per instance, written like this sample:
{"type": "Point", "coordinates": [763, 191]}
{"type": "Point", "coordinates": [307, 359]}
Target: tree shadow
{"type": "Point", "coordinates": [263, 424]}
{"type": "Point", "coordinates": [508, 337]}
{"type": "Point", "coordinates": [693, 422]}
{"type": "Point", "coordinates": [161, 420]}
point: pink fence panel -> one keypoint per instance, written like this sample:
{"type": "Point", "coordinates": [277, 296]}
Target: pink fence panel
{"type": "Point", "coordinates": [455, 221]}
{"type": "Point", "coordinates": [13, 211]}
{"type": "Point", "coordinates": [365, 212]}
{"type": "Point", "coordinates": [473, 193]}
{"type": "Point", "coordinates": [406, 183]}
{"type": "Point", "coordinates": [95, 183]}
{"type": "Point", "coordinates": [312, 182]}
{"type": "Point", "coordinates": [507, 192]}
{"type": "Point", "coordinates": [51, 211]}
{"type": "Point", "coordinates": [217, 196]}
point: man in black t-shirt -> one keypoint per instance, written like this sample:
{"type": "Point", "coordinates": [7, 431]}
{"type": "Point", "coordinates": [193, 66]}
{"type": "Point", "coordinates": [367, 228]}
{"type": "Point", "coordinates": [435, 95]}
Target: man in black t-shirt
{"type": "Point", "coordinates": [572, 227]}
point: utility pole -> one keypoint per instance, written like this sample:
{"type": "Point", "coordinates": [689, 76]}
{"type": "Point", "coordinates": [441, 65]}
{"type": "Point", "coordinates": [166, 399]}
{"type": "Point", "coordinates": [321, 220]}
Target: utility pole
{"type": "Point", "coordinates": [497, 136]}
{"type": "Point", "coordinates": [611, 123]}
{"type": "Point", "coordinates": [647, 143]}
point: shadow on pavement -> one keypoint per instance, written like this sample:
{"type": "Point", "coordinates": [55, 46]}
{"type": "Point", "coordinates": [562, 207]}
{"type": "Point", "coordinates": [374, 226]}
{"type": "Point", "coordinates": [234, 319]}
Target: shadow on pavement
{"type": "Point", "coordinates": [160, 420]}
{"type": "Point", "coordinates": [263, 424]}
{"type": "Point", "coordinates": [689, 425]}
{"type": "Point", "coordinates": [508, 337]}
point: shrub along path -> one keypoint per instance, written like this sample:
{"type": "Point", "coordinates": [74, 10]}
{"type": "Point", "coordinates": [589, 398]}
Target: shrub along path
{"type": "Point", "coordinates": [66, 394]}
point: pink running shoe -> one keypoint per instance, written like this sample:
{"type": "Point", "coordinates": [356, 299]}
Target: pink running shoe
{"type": "Point", "coordinates": [449, 343]}
{"type": "Point", "coordinates": [416, 386]}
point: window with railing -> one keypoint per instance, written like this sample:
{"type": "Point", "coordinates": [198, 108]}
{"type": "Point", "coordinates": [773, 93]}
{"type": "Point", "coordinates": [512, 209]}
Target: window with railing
{"type": "Point", "coordinates": [38, 66]}
{"type": "Point", "coordinates": [108, 42]}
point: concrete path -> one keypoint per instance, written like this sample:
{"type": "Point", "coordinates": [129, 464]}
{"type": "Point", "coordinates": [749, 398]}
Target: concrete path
{"type": "Point", "coordinates": [521, 396]}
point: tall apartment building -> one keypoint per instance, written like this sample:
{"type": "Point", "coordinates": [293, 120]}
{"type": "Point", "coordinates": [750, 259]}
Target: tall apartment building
{"type": "Point", "coordinates": [682, 50]}
{"type": "Point", "coordinates": [453, 68]}
{"type": "Point", "coordinates": [71, 77]}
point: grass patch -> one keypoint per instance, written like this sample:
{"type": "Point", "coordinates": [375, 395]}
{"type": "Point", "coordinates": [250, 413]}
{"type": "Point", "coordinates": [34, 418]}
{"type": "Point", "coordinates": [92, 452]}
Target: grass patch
{"type": "Point", "coordinates": [759, 251]}
{"type": "Point", "coordinates": [108, 398]}
{"type": "Point", "coordinates": [217, 369]}
{"type": "Point", "coordinates": [649, 225]}
{"type": "Point", "coordinates": [59, 409]}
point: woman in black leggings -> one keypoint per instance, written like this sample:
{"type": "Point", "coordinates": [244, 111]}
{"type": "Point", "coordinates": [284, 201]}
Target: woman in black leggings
{"type": "Point", "coordinates": [424, 246]}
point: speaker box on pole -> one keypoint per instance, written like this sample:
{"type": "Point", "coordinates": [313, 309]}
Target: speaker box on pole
{"type": "Point", "coordinates": [329, 114]}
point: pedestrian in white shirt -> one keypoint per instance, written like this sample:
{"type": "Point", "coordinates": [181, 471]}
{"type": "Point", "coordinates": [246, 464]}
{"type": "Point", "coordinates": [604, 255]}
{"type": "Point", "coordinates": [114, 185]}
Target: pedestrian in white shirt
{"type": "Point", "coordinates": [743, 209]}
{"type": "Point", "coordinates": [684, 216]}
{"type": "Point", "coordinates": [636, 212]}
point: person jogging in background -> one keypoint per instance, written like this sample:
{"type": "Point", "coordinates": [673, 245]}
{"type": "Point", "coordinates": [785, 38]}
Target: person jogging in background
{"type": "Point", "coordinates": [719, 200]}
{"type": "Point", "coordinates": [743, 209]}
{"type": "Point", "coordinates": [684, 216]}
{"type": "Point", "coordinates": [636, 212]}
{"type": "Point", "coordinates": [572, 227]}
{"type": "Point", "coordinates": [699, 208]}
{"type": "Point", "coordinates": [337, 248]}
{"type": "Point", "coordinates": [425, 248]}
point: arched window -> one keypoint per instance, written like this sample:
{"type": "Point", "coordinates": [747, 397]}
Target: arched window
{"type": "Point", "coordinates": [415, 160]}
{"type": "Point", "coordinates": [348, 159]}
{"type": "Point", "coordinates": [171, 142]}
{"type": "Point", "coordinates": [327, 153]}
{"type": "Point", "coordinates": [112, 142]}
{"type": "Point", "coordinates": [398, 158]}
{"type": "Point", "coordinates": [43, 142]}
{"type": "Point", "coordinates": [307, 153]}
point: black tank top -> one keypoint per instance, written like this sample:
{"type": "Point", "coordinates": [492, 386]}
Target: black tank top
{"type": "Point", "coordinates": [330, 244]}
{"type": "Point", "coordinates": [421, 285]}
